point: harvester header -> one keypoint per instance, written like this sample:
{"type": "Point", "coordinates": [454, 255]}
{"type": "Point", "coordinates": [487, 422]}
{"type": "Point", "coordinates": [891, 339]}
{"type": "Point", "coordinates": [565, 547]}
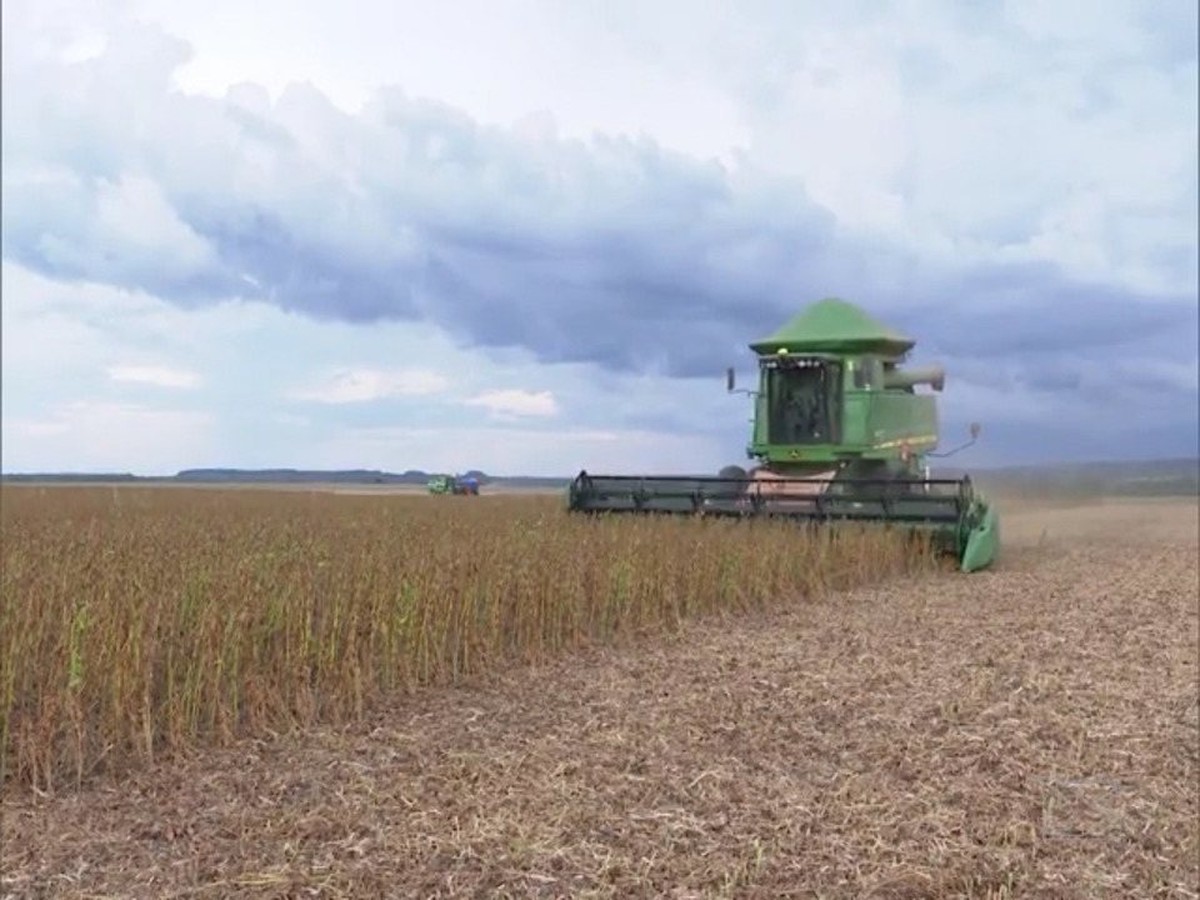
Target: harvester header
{"type": "Point", "coordinates": [840, 432]}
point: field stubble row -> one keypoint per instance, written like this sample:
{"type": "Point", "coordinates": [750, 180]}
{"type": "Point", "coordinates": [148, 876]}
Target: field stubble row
{"type": "Point", "coordinates": [136, 622]}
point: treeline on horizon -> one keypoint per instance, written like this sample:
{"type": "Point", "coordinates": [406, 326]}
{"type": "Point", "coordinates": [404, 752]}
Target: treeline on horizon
{"type": "Point", "coordinates": [273, 476]}
{"type": "Point", "coordinates": [1166, 477]}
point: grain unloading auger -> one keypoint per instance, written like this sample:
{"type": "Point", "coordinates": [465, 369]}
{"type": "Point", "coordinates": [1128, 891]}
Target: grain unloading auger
{"type": "Point", "coordinates": [840, 434]}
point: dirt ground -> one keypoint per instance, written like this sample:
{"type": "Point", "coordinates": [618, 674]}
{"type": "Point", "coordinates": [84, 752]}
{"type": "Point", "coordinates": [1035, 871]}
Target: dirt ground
{"type": "Point", "coordinates": [1029, 731]}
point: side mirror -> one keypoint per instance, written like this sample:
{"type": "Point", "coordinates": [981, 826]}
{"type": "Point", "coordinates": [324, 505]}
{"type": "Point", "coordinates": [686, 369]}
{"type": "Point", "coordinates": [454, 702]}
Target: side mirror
{"type": "Point", "coordinates": [729, 380]}
{"type": "Point", "coordinates": [974, 430]}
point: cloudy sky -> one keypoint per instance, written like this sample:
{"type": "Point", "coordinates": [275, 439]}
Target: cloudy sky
{"type": "Point", "coordinates": [528, 235]}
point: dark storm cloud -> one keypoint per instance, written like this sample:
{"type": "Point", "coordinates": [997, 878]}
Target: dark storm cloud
{"type": "Point", "coordinates": [1032, 308]}
{"type": "Point", "coordinates": [615, 252]}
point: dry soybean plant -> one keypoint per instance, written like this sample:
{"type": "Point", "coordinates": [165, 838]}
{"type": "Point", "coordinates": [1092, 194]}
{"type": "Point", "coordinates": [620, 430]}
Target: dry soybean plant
{"type": "Point", "coordinates": [135, 622]}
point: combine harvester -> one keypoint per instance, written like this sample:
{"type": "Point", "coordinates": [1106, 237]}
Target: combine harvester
{"type": "Point", "coordinates": [840, 434]}
{"type": "Point", "coordinates": [450, 484]}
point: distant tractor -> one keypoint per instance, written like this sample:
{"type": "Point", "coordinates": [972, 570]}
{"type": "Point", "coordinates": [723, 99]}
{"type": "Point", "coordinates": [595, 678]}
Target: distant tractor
{"type": "Point", "coordinates": [450, 484]}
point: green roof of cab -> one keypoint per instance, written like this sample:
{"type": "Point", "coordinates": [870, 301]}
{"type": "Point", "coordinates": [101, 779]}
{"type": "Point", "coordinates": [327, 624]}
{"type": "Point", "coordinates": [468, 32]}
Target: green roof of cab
{"type": "Point", "coordinates": [834, 325]}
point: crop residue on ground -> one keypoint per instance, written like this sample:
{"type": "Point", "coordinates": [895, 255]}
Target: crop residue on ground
{"type": "Point", "coordinates": [1029, 731]}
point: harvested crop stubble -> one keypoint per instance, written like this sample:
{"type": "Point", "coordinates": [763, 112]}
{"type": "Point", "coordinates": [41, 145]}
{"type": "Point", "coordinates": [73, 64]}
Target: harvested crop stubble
{"type": "Point", "coordinates": [138, 621]}
{"type": "Point", "coordinates": [1027, 732]}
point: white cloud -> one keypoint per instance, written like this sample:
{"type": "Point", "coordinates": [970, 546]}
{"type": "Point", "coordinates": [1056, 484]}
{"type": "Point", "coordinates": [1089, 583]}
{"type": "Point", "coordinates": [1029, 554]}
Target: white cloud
{"type": "Point", "coordinates": [407, 43]}
{"type": "Point", "coordinates": [511, 403]}
{"type": "Point", "coordinates": [134, 212]}
{"type": "Point", "coordinates": [118, 437]}
{"type": "Point", "coordinates": [158, 376]}
{"type": "Point", "coordinates": [515, 450]}
{"type": "Point", "coordinates": [107, 229]}
{"type": "Point", "coordinates": [364, 385]}
{"type": "Point", "coordinates": [899, 117]}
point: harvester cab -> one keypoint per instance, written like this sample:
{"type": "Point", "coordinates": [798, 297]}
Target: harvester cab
{"type": "Point", "coordinates": [840, 433]}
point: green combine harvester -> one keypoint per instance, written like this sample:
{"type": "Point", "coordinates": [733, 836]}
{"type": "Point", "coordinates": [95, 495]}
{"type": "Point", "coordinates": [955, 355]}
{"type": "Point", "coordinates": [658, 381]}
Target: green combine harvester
{"type": "Point", "coordinates": [840, 435]}
{"type": "Point", "coordinates": [450, 484]}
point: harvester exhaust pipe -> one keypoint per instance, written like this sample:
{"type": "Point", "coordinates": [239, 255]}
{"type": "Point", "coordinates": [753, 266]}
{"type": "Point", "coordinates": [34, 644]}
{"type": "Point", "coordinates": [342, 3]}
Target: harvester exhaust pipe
{"type": "Point", "coordinates": [934, 376]}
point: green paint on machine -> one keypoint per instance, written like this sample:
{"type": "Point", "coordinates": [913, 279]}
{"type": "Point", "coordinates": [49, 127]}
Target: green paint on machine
{"type": "Point", "coordinates": [450, 484]}
{"type": "Point", "coordinates": [840, 433]}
